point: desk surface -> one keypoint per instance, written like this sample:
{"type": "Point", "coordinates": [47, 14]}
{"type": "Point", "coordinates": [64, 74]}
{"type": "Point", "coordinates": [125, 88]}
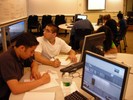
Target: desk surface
{"type": "Point", "coordinates": [68, 26]}
{"type": "Point", "coordinates": [121, 57]}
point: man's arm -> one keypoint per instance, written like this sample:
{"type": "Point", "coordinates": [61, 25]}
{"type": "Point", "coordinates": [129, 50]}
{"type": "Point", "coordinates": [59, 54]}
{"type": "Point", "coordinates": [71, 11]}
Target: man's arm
{"type": "Point", "coordinates": [34, 71]}
{"type": "Point", "coordinates": [17, 87]}
{"type": "Point", "coordinates": [43, 60]}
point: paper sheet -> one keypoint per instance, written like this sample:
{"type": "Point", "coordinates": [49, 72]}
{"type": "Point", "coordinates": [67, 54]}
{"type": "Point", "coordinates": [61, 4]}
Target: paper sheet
{"type": "Point", "coordinates": [52, 83]}
{"type": "Point", "coordinates": [63, 60]}
{"type": "Point", "coordinates": [39, 96]}
{"type": "Point", "coordinates": [111, 56]}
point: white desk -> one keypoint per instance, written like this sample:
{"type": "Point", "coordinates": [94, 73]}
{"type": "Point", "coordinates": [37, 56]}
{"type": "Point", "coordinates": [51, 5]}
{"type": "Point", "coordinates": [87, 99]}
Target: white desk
{"type": "Point", "coordinates": [126, 58]}
{"type": "Point", "coordinates": [66, 26]}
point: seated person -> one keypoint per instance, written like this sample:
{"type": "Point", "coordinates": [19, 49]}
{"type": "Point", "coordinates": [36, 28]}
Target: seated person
{"type": "Point", "coordinates": [100, 20]}
{"type": "Point", "coordinates": [12, 63]}
{"type": "Point", "coordinates": [112, 24]}
{"type": "Point", "coordinates": [108, 44]}
{"type": "Point", "coordinates": [51, 46]}
{"type": "Point", "coordinates": [79, 24]}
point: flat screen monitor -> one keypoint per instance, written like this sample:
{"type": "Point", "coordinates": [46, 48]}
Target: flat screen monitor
{"type": "Point", "coordinates": [83, 17]}
{"type": "Point", "coordinates": [16, 29]}
{"type": "Point", "coordinates": [93, 43]}
{"type": "Point", "coordinates": [103, 78]}
{"type": "Point", "coordinates": [96, 4]}
{"type": "Point", "coordinates": [79, 16]}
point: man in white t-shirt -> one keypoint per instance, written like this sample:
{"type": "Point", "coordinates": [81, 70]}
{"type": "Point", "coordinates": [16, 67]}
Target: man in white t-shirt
{"type": "Point", "coordinates": [51, 46]}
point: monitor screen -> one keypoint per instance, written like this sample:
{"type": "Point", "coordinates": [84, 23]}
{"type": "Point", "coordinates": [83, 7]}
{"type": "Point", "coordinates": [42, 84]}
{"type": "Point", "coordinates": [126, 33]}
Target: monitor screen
{"type": "Point", "coordinates": [83, 17]}
{"type": "Point", "coordinates": [93, 43]}
{"type": "Point", "coordinates": [16, 29]}
{"type": "Point", "coordinates": [103, 78]}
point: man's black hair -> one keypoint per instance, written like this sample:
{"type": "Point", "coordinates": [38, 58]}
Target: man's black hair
{"type": "Point", "coordinates": [26, 39]}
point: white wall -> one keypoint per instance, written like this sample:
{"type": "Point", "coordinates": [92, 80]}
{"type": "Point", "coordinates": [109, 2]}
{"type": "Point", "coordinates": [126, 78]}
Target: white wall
{"type": "Point", "coordinates": [53, 7]}
{"type": "Point", "coordinates": [12, 9]}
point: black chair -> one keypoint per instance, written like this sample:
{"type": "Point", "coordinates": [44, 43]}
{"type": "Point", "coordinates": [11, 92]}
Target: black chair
{"type": "Point", "coordinates": [33, 23]}
{"type": "Point", "coordinates": [76, 40]}
{"type": "Point", "coordinates": [46, 19]}
{"type": "Point", "coordinates": [59, 19]}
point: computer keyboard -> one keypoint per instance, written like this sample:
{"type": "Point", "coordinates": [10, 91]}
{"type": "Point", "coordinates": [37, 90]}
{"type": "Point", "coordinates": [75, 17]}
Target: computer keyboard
{"type": "Point", "coordinates": [73, 67]}
{"type": "Point", "coordinates": [75, 96]}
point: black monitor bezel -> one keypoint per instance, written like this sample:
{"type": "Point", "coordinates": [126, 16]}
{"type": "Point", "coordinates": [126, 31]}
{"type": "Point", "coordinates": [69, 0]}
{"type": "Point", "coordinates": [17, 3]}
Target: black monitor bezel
{"type": "Point", "coordinates": [127, 70]}
{"type": "Point", "coordinates": [90, 37]}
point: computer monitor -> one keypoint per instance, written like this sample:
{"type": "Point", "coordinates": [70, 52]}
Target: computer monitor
{"type": "Point", "coordinates": [16, 29]}
{"type": "Point", "coordinates": [103, 78]}
{"type": "Point", "coordinates": [94, 43]}
{"type": "Point", "coordinates": [83, 17]}
{"type": "Point", "coordinates": [79, 16]}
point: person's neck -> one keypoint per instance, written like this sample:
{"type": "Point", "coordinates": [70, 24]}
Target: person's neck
{"type": "Point", "coordinates": [52, 41]}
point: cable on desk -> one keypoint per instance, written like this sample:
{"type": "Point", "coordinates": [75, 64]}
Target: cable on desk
{"type": "Point", "coordinates": [75, 74]}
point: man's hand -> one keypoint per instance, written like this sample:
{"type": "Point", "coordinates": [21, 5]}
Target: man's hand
{"type": "Point", "coordinates": [56, 63]}
{"type": "Point", "coordinates": [45, 78]}
{"type": "Point", "coordinates": [35, 74]}
{"type": "Point", "coordinates": [73, 58]}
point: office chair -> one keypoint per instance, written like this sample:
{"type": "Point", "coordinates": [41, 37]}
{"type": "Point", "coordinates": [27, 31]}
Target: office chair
{"type": "Point", "coordinates": [76, 40]}
{"type": "Point", "coordinates": [59, 19]}
{"type": "Point", "coordinates": [33, 23]}
{"type": "Point", "coordinates": [46, 19]}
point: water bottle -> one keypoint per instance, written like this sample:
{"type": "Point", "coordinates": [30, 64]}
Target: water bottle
{"type": "Point", "coordinates": [67, 80]}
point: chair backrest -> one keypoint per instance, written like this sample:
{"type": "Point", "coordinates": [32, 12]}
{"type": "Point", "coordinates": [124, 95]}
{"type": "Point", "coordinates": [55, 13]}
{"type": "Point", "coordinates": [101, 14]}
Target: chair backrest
{"type": "Point", "coordinates": [59, 19]}
{"type": "Point", "coordinates": [46, 19]}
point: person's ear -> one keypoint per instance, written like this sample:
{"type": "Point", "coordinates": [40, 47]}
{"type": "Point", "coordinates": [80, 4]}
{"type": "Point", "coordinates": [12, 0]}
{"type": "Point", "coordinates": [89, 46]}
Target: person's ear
{"type": "Point", "coordinates": [22, 48]}
{"type": "Point", "coordinates": [54, 33]}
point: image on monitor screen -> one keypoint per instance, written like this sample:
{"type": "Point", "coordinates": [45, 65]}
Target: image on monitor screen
{"type": "Point", "coordinates": [103, 78]}
{"type": "Point", "coordinates": [83, 17]}
{"type": "Point", "coordinates": [93, 43]}
{"type": "Point", "coordinates": [16, 29]}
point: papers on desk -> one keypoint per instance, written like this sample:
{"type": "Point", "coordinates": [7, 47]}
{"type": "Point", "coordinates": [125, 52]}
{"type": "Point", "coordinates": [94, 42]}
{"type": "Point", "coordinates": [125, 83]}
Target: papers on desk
{"type": "Point", "coordinates": [110, 56]}
{"type": "Point", "coordinates": [52, 83]}
{"type": "Point", "coordinates": [63, 60]}
{"type": "Point", "coordinates": [39, 96]}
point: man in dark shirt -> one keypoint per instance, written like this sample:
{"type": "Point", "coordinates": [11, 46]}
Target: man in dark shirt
{"type": "Point", "coordinates": [79, 24]}
{"type": "Point", "coordinates": [122, 24]}
{"type": "Point", "coordinates": [12, 63]}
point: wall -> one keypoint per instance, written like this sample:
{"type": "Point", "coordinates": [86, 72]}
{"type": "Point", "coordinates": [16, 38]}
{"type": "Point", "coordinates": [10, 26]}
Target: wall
{"type": "Point", "coordinates": [53, 7]}
{"type": "Point", "coordinates": [112, 8]}
{"type": "Point", "coordinates": [11, 10]}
